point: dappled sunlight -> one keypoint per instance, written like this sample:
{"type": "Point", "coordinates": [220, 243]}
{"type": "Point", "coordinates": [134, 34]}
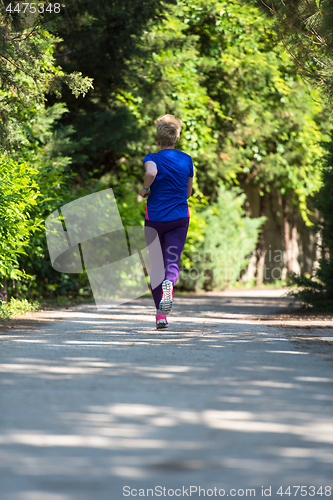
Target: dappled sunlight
{"type": "Point", "coordinates": [273, 383]}
{"type": "Point", "coordinates": [104, 394]}
{"type": "Point", "coordinates": [211, 308]}
{"type": "Point", "coordinates": [33, 341]}
{"type": "Point", "coordinates": [315, 379]}
{"type": "Point", "coordinates": [141, 441]}
{"type": "Point", "coordinates": [288, 352]}
{"type": "Point", "coordinates": [97, 441]}
{"type": "Point", "coordinates": [321, 454]}
{"type": "Point", "coordinates": [135, 426]}
{"type": "Point", "coordinates": [85, 366]}
{"type": "Point", "coordinates": [42, 495]}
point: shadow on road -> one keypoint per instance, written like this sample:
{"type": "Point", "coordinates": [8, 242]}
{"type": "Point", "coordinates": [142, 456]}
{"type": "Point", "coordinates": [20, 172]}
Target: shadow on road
{"type": "Point", "coordinates": [95, 401]}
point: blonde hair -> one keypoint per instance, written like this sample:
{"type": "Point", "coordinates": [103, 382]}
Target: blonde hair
{"type": "Point", "coordinates": [168, 129]}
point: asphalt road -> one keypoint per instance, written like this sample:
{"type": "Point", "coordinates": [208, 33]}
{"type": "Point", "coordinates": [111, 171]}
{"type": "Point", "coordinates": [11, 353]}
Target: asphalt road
{"type": "Point", "coordinates": [232, 399]}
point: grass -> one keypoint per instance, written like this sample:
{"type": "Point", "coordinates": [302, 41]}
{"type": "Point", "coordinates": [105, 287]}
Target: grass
{"type": "Point", "coordinates": [252, 284]}
{"type": "Point", "coordinates": [15, 307]}
{"type": "Point", "coordinates": [248, 285]}
{"type": "Point", "coordinates": [62, 301]}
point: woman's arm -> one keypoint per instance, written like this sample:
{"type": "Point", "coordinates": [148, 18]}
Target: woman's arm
{"type": "Point", "coordinates": [151, 172]}
{"type": "Point", "coordinates": [189, 187]}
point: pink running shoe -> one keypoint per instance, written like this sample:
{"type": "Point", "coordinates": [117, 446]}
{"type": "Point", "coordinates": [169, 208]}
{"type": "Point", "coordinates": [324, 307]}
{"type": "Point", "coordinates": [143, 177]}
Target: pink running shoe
{"type": "Point", "coordinates": [167, 297]}
{"type": "Point", "coordinates": [161, 321]}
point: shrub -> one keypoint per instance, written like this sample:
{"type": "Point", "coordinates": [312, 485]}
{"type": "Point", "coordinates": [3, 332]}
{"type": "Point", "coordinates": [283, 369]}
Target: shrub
{"type": "Point", "coordinates": [316, 292]}
{"type": "Point", "coordinates": [18, 197]}
{"type": "Point", "coordinates": [15, 307]}
{"type": "Point", "coordinates": [228, 238]}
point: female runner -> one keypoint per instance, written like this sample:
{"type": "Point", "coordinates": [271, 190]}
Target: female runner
{"type": "Point", "coordinates": [167, 186]}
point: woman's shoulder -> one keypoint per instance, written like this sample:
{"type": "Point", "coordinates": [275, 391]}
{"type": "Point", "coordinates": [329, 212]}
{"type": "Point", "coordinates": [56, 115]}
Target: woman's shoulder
{"type": "Point", "coordinates": [185, 155]}
{"type": "Point", "coordinates": [149, 157]}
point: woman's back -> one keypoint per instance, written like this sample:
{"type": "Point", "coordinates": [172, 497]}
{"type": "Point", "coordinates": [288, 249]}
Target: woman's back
{"type": "Point", "coordinates": [167, 200]}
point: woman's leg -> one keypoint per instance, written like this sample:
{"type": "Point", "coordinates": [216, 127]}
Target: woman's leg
{"type": "Point", "coordinates": [174, 242]}
{"type": "Point", "coordinates": [172, 236]}
{"type": "Point", "coordinates": [157, 275]}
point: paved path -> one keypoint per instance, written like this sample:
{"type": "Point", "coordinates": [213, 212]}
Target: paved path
{"type": "Point", "coordinates": [230, 398]}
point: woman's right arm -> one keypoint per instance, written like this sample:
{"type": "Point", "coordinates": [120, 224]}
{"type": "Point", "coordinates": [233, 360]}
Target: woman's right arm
{"type": "Point", "coordinates": [151, 172]}
{"type": "Point", "coordinates": [189, 187]}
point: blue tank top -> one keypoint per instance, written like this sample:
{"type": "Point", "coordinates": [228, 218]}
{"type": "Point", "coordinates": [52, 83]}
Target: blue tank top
{"type": "Point", "coordinates": [167, 199]}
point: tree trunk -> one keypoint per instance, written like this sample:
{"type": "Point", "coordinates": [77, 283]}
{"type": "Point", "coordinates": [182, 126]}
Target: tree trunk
{"type": "Point", "coordinates": [294, 265]}
{"type": "Point", "coordinates": [286, 234]}
{"type": "Point", "coordinates": [260, 251]}
{"type": "Point", "coordinates": [290, 238]}
{"type": "Point", "coordinates": [4, 289]}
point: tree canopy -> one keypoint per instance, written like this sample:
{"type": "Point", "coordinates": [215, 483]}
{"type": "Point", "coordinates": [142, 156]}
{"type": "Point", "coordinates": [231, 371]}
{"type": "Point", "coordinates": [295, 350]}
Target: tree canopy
{"type": "Point", "coordinates": [81, 90]}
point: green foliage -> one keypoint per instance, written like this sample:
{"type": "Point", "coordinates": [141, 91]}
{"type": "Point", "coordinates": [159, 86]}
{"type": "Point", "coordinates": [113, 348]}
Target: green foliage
{"type": "Point", "coordinates": [317, 292]}
{"type": "Point", "coordinates": [51, 152]}
{"type": "Point", "coordinates": [196, 231]}
{"type": "Point", "coordinates": [28, 72]}
{"type": "Point", "coordinates": [247, 116]}
{"type": "Point", "coordinates": [34, 170]}
{"type": "Point", "coordinates": [306, 29]}
{"type": "Point", "coordinates": [227, 240]}
{"type": "Point", "coordinates": [273, 128]}
{"type": "Point", "coordinates": [101, 39]}
{"type": "Point", "coordinates": [132, 211]}
{"type": "Point", "coordinates": [230, 237]}
{"type": "Point", "coordinates": [19, 193]}
{"type": "Point", "coordinates": [16, 307]}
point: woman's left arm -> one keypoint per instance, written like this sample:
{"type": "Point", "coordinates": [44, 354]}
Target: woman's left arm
{"type": "Point", "coordinates": [189, 187]}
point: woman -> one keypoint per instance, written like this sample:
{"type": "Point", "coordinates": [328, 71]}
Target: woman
{"type": "Point", "coordinates": [167, 185]}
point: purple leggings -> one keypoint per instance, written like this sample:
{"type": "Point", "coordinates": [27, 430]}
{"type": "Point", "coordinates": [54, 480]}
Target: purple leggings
{"type": "Point", "coordinates": [172, 236]}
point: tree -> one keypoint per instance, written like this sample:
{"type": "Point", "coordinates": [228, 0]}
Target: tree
{"type": "Point", "coordinates": [219, 67]}
{"type": "Point", "coordinates": [216, 64]}
{"type": "Point", "coordinates": [317, 291]}
{"type": "Point", "coordinates": [229, 238]}
{"type": "Point", "coordinates": [28, 73]}
{"type": "Point", "coordinates": [306, 29]}
{"type": "Point", "coordinates": [101, 39]}
{"type": "Point", "coordinates": [32, 167]}
{"type": "Point", "coordinates": [268, 129]}
{"type": "Point", "coordinates": [19, 193]}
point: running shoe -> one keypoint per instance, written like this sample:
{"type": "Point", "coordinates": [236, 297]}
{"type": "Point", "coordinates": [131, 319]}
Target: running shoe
{"type": "Point", "coordinates": [161, 321]}
{"type": "Point", "coordinates": [167, 297]}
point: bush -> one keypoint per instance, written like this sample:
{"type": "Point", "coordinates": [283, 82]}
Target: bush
{"type": "Point", "coordinates": [15, 307]}
{"type": "Point", "coordinates": [228, 238]}
{"type": "Point", "coordinates": [19, 192]}
{"type": "Point", "coordinates": [316, 292]}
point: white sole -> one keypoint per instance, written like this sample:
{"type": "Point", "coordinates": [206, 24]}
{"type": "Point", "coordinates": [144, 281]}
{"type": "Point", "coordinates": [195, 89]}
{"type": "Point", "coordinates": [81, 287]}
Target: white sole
{"type": "Point", "coordinates": [161, 325]}
{"type": "Point", "coordinates": [167, 300]}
